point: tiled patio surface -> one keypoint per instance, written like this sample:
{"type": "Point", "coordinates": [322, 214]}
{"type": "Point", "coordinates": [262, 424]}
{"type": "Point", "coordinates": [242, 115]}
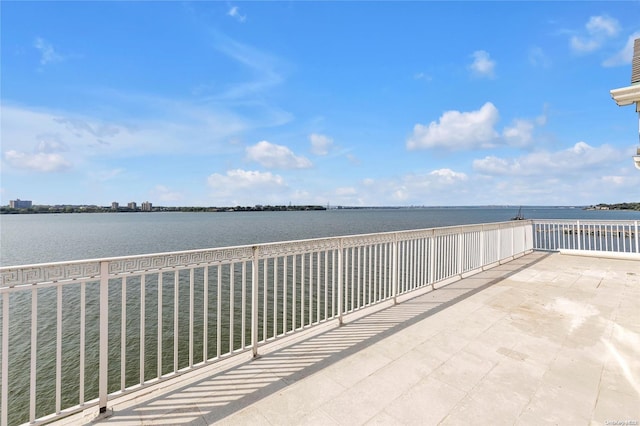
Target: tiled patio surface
{"type": "Point", "coordinates": [543, 339]}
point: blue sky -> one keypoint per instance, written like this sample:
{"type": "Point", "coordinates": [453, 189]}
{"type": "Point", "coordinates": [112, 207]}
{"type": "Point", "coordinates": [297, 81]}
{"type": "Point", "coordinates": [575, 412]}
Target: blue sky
{"type": "Point", "coordinates": [348, 103]}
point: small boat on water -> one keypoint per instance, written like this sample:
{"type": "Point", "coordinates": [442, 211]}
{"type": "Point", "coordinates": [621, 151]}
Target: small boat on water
{"type": "Point", "coordinates": [519, 216]}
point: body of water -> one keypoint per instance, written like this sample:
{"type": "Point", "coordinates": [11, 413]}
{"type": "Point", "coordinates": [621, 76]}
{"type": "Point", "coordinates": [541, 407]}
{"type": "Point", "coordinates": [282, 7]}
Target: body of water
{"type": "Point", "coordinates": [40, 238]}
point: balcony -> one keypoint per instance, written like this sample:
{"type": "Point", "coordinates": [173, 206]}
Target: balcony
{"type": "Point", "coordinates": [440, 325]}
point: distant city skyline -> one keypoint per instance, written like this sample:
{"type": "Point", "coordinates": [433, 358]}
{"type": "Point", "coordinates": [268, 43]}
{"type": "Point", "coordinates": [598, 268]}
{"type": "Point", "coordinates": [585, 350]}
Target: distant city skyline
{"type": "Point", "coordinates": [316, 103]}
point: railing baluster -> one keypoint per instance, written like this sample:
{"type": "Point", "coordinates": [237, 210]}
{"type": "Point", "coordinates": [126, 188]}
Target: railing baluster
{"type": "Point", "coordinates": [103, 366]}
{"type": "Point", "coordinates": [366, 275]}
{"type": "Point", "coordinates": [34, 354]}
{"type": "Point", "coordinates": [123, 333]}
{"type": "Point", "coordinates": [275, 296]}
{"type": "Point", "coordinates": [191, 313]}
{"type": "Point", "coordinates": [356, 285]}
{"type": "Point", "coordinates": [219, 312]}
{"type": "Point", "coordinates": [403, 268]}
{"type": "Point", "coordinates": [243, 324]}
{"type": "Point", "coordinates": [326, 285]}
{"type": "Point", "coordinates": [232, 273]}
{"type": "Point", "coordinates": [349, 259]}
{"type": "Point", "coordinates": [254, 301]}
{"type": "Point", "coordinates": [333, 283]}
{"type": "Point", "coordinates": [142, 325]}
{"type": "Point", "coordinates": [4, 392]}
{"type": "Point", "coordinates": [421, 262]}
{"type": "Point", "coordinates": [265, 292]}
{"type": "Point", "coordinates": [458, 243]}
{"type": "Point", "coordinates": [294, 290]}
{"type": "Point", "coordinates": [176, 331]}
{"type": "Point", "coordinates": [59, 351]}
{"type": "Point", "coordinates": [159, 325]}
{"type": "Point", "coordinates": [83, 326]}
{"type": "Point", "coordinates": [285, 295]}
{"type": "Point", "coordinates": [394, 269]}
{"type": "Point", "coordinates": [318, 286]}
{"type": "Point", "coordinates": [302, 283]}
{"type": "Point", "coordinates": [340, 278]}
{"type": "Point", "coordinates": [205, 314]}
{"type": "Point", "coordinates": [310, 288]}
{"type": "Point", "coordinates": [375, 280]}
{"type": "Point", "coordinates": [385, 272]}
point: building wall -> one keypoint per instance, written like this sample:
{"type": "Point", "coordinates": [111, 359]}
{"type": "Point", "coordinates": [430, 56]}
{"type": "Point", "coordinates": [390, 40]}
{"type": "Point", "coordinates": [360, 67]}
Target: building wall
{"type": "Point", "coordinates": [20, 204]}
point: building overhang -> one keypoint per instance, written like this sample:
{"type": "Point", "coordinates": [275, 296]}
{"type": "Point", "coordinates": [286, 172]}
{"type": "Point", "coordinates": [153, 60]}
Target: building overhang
{"type": "Point", "coordinates": [626, 95]}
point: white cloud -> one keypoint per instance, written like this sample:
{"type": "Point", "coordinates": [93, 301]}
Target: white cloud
{"type": "Point", "coordinates": [482, 65]}
{"type": "Point", "coordinates": [624, 56]}
{"type": "Point", "coordinates": [448, 176]}
{"type": "Point", "coordinates": [39, 161]}
{"type": "Point", "coordinates": [615, 180]}
{"type": "Point", "coordinates": [604, 25]}
{"type": "Point", "coordinates": [440, 186]}
{"type": "Point", "coordinates": [276, 156]}
{"type": "Point", "coordinates": [458, 130]}
{"type": "Point", "coordinates": [234, 12]}
{"type": "Point", "coordinates": [47, 52]}
{"type": "Point", "coordinates": [45, 157]}
{"type": "Point", "coordinates": [538, 58]}
{"type": "Point", "coordinates": [345, 191]}
{"type": "Point", "coordinates": [265, 68]}
{"type": "Point", "coordinates": [599, 29]}
{"type": "Point", "coordinates": [353, 159]}
{"type": "Point", "coordinates": [579, 159]}
{"type": "Point", "coordinates": [239, 178]}
{"type": "Point", "coordinates": [520, 133]}
{"type": "Point", "coordinates": [422, 76]}
{"type": "Point", "coordinates": [178, 127]}
{"type": "Point", "coordinates": [320, 144]}
{"type": "Point", "coordinates": [475, 129]}
{"type": "Point", "coordinates": [584, 46]}
{"type": "Point", "coordinates": [106, 175]}
{"type": "Point", "coordinates": [248, 187]}
{"type": "Point", "coordinates": [165, 194]}
{"type": "Point", "coordinates": [51, 143]}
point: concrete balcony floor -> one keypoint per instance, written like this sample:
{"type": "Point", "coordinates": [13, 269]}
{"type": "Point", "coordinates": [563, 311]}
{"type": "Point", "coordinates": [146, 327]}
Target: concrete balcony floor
{"type": "Point", "coordinates": [543, 339]}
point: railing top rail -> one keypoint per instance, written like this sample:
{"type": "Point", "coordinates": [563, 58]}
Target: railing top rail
{"type": "Point", "coordinates": [588, 221]}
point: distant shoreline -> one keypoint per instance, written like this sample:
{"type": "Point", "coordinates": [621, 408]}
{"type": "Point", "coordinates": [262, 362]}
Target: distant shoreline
{"type": "Point", "coordinates": [57, 209]}
{"type": "Point", "coordinates": [46, 209]}
{"type": "Point", "coordinates": [618, 206]}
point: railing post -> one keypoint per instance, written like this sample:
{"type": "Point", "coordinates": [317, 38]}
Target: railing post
{"type": "Point", "coordinates": [394, 269]}
{"type": "Point", "coordinates": [103, 370]}
{"type": "Point", "coordinates": [637, 237]}
{"type": "Point", "coordinates": [254, 302]}
{"type": "Point", "coordinates": [578, 231]}
{"type": "Point", "coordinates": [340, 282]}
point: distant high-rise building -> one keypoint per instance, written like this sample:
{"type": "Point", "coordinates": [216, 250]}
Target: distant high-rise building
{"type": "Point", "coordinates": [132, 205]}
{"type": "Point", "coordinates": [115, 205]}
{"type": "Point", "coordinates": [20, 204]}
{"type": "Point", "coordinates": [146, 206]}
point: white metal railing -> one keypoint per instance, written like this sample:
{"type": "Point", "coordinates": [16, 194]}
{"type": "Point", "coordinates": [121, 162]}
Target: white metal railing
{"type": "Point", "coordinates": [78, 334]}
{"type": "Point", "coordinates": [587, 235]}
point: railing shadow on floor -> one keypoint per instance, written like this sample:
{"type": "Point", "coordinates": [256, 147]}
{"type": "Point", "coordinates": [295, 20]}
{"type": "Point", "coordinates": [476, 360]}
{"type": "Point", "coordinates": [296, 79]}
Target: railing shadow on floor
{"type": "Point", "coordinates": [212, 398]}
